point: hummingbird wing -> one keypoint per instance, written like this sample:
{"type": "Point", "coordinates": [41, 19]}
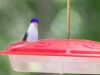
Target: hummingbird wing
{"type": "Point", "coordinates": [25, 36]}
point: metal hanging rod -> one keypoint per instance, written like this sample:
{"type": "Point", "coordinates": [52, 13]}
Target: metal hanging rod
{"type": "Point", "coordinates": [68, 19]}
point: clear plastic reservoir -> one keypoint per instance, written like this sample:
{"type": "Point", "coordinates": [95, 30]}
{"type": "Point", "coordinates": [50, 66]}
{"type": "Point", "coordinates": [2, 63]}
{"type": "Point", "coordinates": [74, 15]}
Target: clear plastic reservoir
{"type": "Point", "coordinates": [55, 64]}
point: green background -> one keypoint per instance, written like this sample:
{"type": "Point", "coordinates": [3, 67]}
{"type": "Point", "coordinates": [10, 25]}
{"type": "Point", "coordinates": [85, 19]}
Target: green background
{"type": "Point", "coordinates": [15, 18]}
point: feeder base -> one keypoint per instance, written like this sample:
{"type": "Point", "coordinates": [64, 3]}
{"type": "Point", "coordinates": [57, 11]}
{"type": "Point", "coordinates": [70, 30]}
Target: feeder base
{"type": "Point", "coordinates": [55, 64]}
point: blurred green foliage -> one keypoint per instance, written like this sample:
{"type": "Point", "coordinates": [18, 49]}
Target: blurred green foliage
{"type": "Point", "coordinates": [15, 17]}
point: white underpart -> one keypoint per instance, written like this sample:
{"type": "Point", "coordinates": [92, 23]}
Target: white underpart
{"type": "Point", "coordinates": [32, 33]}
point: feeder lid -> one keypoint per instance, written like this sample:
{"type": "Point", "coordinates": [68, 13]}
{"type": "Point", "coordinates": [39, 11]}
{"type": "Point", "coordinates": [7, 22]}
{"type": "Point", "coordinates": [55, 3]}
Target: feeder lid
{"type": "Point", "coordinates": [56, 47]}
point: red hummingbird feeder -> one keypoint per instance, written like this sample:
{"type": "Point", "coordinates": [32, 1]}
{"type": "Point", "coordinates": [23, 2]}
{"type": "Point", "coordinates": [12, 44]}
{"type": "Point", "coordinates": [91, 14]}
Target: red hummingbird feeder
{"type": "Point", "coordinates": [55, 55]}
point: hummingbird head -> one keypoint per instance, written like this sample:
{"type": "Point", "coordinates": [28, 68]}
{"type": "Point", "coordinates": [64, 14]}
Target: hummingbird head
{"type": "Point", "coordinates": [34, 22]}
